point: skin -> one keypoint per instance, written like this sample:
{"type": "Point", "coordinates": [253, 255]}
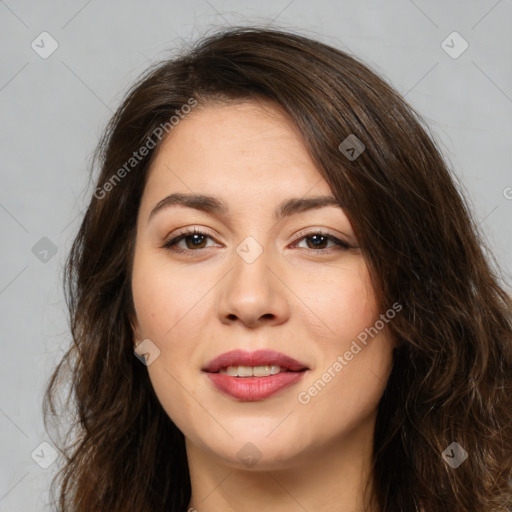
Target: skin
{"type": "Point", "coordinates": [309, 303]}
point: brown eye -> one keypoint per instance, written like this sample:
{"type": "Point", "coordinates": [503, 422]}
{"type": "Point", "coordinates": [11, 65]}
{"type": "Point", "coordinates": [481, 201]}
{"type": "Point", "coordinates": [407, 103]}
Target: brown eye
{"type": "Point", "coordinates": [193, 239]}
{"type": "Point", "coordinates": [317, 241]}
{"type": "Point", "coordinates": [196, 241]}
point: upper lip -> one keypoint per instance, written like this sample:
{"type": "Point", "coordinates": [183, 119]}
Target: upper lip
{"type": "Point", "coordinates": [257, 358]}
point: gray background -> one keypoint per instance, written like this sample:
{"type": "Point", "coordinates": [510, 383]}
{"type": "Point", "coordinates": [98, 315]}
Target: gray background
{"type": "Point", "coordinates": [54, 109]}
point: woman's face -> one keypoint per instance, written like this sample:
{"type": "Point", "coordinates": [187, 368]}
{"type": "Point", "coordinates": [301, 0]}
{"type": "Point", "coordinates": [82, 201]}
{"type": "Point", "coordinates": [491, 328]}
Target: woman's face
{"type": "Point", "coordinates": [269, 271]}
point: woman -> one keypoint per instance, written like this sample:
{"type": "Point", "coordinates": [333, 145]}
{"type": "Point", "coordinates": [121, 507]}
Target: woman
{"type": "Point", "coordinates": [279, 299]}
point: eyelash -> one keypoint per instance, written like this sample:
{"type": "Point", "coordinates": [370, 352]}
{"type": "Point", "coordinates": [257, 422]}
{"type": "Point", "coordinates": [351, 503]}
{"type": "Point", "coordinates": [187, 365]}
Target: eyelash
{"type": "Point", "coordinates": [171, 244]}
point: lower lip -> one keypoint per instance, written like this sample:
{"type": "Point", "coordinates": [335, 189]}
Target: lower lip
{"type": "Point", "coordinates": [251, 389]}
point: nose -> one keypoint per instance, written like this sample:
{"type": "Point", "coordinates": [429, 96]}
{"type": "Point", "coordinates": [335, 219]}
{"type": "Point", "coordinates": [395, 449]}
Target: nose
{"type": "Point", "coordinates": [253, 294]}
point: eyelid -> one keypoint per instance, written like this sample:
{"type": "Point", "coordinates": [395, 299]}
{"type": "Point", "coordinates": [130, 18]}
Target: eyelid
{"type": "Point", "coordinates": [189, 230]}
{"type": "Point", "coordinates": [186, 232]}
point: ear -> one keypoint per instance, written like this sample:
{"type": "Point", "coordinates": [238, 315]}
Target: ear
{"type": "Point", "coordinates": [136, 330]}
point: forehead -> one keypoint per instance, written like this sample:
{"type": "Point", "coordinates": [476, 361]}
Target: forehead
{"type": "Point", "coordinates": [228, 148]}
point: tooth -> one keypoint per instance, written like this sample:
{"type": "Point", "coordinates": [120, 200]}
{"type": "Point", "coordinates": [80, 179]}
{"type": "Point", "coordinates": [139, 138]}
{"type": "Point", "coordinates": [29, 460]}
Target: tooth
{"type": "Point", "coordinates": [231, 370]}
{"type": "Point", "coordinates": [245, 371]}
{"type": "Point", "coordinates": [275, 369]}
{"type": "Point", "coordinates": [250, 371]}
{"type": "Point", "coordinates": [261, 371]}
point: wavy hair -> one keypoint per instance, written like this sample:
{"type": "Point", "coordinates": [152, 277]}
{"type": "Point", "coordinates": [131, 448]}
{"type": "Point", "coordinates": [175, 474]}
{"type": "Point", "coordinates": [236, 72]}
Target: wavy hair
{"type": "Point", "coordinates": [451, 379]}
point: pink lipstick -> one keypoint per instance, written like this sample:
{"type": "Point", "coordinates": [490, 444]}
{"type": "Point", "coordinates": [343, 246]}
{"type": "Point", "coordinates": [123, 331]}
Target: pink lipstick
{"type": "Point", "coordinates": [252, 376]}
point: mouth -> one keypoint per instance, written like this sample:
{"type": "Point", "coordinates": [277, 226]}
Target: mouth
{"type": "Point", "coordinates": [259, 361]}
{"type": "Point", "coordinates": [252, 376]}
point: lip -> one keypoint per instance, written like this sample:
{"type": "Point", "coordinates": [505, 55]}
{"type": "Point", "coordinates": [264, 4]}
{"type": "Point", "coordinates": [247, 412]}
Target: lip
{"type": "Point", "coordinates": [251, 389]}
{"type": "Point", "coordinates": [257, 358]}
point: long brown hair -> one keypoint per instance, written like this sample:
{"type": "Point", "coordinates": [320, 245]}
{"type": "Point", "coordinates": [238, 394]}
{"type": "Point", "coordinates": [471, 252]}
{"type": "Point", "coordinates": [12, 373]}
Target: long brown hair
{"type": "Point", "coordinates": [452, 374]}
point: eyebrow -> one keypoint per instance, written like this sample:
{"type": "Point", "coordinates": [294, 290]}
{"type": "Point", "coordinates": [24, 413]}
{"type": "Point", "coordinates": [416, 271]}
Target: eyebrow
{"type": "Point", "coordinates": [210, 204]}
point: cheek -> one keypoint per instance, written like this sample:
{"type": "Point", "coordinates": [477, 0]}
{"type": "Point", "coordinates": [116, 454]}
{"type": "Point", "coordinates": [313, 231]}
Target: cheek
{"type": "Point", "coordinates": [354, 365]}
{"type": "Point", "coordinates": [164, 299]}
{"type": "Point", "coordinates": [174, 311]}
{"type": "Point", "coordinates": [168, 308]}
{"type": "Point", "coordinates": [340, 302]}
